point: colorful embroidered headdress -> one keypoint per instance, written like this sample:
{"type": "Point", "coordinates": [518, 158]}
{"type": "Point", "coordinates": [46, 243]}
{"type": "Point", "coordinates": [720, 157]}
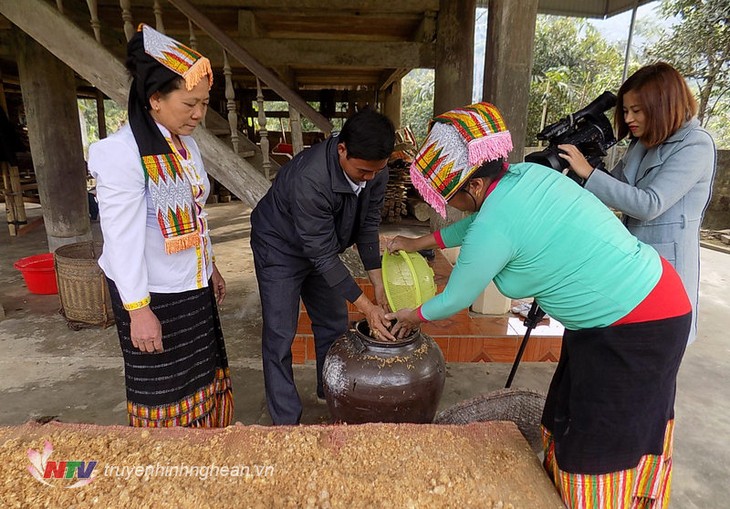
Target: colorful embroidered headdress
{"type": "Point", "coordinates": [458, 142]}
{"type": "Point", "coordinates": [157, 60]}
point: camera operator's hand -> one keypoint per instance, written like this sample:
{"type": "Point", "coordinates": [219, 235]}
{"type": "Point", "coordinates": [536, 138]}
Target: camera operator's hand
{"type": "Point", "coordinates": [576, 160]}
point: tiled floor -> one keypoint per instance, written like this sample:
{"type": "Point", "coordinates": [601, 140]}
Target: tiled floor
{"type": "Point", "coordinates": [466, 336]}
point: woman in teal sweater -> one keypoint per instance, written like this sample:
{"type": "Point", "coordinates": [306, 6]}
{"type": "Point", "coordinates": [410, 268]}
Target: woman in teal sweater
{"type": "Point", "coordinates": [608, 419]}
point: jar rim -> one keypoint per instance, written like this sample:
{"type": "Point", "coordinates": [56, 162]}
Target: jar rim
{"type": "Point", "coordinates": [362, 328]}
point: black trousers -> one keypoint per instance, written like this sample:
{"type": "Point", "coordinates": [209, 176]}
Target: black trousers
{"type": "Point", "coordinates": [282, 281]}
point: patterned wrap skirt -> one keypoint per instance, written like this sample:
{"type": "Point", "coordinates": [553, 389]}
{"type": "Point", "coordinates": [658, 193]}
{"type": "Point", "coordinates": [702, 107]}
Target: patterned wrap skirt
{"type": "Point", "coordinates": [608, 421]}
{"type": "Point", "coordinates": [646, 486]}
{"type": "Point", "coordinates": [188, 383]}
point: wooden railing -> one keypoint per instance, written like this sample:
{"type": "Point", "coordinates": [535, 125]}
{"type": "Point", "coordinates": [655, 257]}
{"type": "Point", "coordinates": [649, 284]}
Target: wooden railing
{"type": "Point", "coordinates": [263, 133]}
{"type": "Point", "coordinates": [257, 68]}
{"type": "Point", "coordinates": [230, 48]}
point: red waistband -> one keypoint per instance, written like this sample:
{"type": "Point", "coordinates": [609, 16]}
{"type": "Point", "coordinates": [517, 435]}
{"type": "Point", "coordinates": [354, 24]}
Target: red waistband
{"type": "Point", "coordinates": [666, 300]}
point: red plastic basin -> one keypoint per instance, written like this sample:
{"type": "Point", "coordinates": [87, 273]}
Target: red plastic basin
{"type": "Point", "coordinates": [39, 273]}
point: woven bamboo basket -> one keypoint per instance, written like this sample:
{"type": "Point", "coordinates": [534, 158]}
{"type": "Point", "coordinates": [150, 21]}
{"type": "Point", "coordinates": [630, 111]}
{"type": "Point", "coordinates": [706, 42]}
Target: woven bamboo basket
{"type": "Point", "coordinates": [82, 286]}
{"type": "Point", "coordinates": [521, 406]}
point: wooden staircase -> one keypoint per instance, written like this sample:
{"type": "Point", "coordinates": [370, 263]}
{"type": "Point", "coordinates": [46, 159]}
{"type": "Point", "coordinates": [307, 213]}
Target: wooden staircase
{"type": "Point", "coordinates": [242, 172]}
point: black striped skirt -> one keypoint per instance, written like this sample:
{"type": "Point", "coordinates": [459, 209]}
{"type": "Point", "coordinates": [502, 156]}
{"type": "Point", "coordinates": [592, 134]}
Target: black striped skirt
{"type": "Point", "coordinates": [188, 383]}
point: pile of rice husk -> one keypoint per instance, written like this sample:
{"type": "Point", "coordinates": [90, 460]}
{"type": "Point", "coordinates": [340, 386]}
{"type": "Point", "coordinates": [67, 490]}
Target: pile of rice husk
{"type": "Point", "coordinates": [485, 465]}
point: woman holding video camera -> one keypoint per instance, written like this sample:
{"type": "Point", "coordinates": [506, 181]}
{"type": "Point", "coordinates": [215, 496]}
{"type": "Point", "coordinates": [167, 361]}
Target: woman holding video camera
{"type": "Point", "coordinates": [663, 183]}
{"type": "Point", "coordinates": [609, 416]}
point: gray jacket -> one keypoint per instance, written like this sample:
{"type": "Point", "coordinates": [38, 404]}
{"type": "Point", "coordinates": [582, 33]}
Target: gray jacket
{"type": "Point", "coordinates": [663, 193]}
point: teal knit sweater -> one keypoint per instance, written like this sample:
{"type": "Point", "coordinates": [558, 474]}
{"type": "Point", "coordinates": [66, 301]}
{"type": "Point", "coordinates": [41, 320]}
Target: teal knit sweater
{"type": "Point", "coordinates": [538, 234]}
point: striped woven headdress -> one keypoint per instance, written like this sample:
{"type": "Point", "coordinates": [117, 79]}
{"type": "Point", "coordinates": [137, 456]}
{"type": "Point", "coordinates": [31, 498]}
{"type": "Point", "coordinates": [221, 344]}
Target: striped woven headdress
{"type": "Point", "coordinates": [458, 143]}
{"type": "Point", "coordinates": [177, 57]}
{"type": "Point", "coordinates": [158, 59]}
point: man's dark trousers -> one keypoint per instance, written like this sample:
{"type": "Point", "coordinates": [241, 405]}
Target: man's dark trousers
{"type": "Point", "coordinates": [282, 280]}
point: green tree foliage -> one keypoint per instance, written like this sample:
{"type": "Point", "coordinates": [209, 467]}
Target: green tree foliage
{"type": "Point", "coordinates": [698, 45]}
{"type": "Point", "coordinates": [573, 64]}
{"type": "Point", "coordinates": [115, 117]}
{"type": "Point", "coordinates": [417, 101]}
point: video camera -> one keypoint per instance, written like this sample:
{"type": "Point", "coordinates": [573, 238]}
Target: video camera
{"type": "Point", "coordinates": [588, 129]}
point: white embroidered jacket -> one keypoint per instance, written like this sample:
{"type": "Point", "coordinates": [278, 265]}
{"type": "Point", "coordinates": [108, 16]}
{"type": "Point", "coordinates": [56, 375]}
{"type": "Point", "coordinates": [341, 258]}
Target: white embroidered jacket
{"type": "Point", "coordinates": [134, 252]}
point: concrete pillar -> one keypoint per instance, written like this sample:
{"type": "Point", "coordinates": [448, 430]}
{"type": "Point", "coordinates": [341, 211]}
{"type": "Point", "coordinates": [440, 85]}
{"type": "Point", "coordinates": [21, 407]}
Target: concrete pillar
{"type": "Point", "coordinates": [49, 97]}
{"type": "Point", "coordinates": [454, 71]}
{"type": "Point", "coordinates": [392, 104]}
{"type": "Point", "coordinates": [454, 54]}
{"type": "Point", "coordinates": [508, 64]}
{"type": "Point", "coordinates": [507, 73]}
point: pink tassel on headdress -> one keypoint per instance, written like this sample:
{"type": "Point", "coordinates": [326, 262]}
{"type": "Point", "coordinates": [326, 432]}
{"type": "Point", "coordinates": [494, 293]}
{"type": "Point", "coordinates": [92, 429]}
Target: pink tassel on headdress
{"type": "Point", "coordinates": [428, 193]}
{"type": "Point", "coordinates": [489, 148]}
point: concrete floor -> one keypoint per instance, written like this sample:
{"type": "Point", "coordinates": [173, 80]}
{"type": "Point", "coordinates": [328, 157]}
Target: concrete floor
{"type": "Point", "coordinates": [46, 369]}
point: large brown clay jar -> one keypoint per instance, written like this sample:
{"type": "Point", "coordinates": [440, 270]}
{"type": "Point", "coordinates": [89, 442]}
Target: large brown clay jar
{"type": "Point", "coordinates": [367, 380]}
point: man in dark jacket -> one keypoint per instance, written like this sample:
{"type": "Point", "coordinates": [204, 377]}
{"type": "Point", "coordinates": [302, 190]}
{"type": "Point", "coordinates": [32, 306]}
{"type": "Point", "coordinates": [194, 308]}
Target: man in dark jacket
{"type": "Point", "coordinates": [323, 201]}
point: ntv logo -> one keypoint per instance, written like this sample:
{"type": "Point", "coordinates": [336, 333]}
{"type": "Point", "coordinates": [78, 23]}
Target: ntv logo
{"type": "Point", "coordinates": [41, 468]}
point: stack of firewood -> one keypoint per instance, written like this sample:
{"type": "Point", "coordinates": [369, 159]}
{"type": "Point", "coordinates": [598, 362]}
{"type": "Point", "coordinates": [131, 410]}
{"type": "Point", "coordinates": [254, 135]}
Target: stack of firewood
{"type": "Point", "coordinates": [399, 183]}
{"type": "Point", "coordinates": [396, 191]}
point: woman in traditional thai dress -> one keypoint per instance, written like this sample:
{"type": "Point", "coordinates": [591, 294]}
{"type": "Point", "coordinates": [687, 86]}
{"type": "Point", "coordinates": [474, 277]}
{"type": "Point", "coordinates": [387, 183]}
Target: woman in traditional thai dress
{"type": "Point", "coordinates": [609, 416]}
{"type": "Point", "coordinates": [157, 256]}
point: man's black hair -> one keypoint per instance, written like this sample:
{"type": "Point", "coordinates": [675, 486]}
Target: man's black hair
{"type": "Point", "coordinates": [368, 135]}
